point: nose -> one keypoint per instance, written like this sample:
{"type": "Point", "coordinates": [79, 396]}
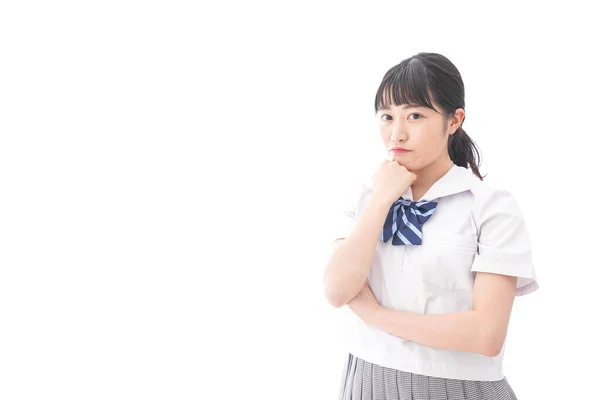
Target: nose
{"type": "Point", "coordinates": [398, 132]}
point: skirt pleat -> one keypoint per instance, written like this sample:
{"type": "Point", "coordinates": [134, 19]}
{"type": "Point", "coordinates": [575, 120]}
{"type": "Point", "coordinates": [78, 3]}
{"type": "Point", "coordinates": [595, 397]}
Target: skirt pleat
{"type": "Point", "coordinates": [390, 382]}
{"type": "Point", "coordinates": [377, 376]}
{"type": "Point", "coordinates": [362, 380]}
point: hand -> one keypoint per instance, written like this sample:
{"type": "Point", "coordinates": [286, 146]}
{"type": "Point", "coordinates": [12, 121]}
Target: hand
{"type": "Point", "coordinates": [391, 180]}
{"type": "Point", "coordinates": [365, 304]}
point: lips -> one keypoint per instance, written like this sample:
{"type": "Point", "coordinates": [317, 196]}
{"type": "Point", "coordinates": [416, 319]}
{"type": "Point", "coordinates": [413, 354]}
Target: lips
{"type": "Point", "coordinates": [399, 150]}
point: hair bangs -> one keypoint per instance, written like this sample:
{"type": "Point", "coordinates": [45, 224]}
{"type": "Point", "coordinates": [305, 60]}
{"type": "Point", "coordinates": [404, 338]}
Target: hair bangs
{"type": "Point", "coordinates": [406, 83]}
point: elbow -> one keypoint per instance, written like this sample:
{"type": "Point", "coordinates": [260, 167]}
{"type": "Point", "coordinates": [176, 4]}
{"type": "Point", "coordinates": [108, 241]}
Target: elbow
{"type": "Point", "coordinates": [332, 291]}
{"type": "Point", "coordinates": [334, 297]}
{"type": "Point", "coordinates": [337, 293]}
{"type": "Point", "coordinates": [339, 290]}
{"type": "Point", "coordinates": [336, 302]}
{"type": "Point", "coordinates": [490, 335]}
{"type": "Point", "coordinates": [492, 345]}
{"type": "Point", "coordinates": [491, 351]}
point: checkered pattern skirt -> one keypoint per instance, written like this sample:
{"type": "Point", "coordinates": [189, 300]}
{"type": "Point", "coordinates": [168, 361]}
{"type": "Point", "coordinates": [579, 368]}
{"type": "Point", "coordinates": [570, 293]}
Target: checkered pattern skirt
{"type": "Point", "coordinates": [362, 380]}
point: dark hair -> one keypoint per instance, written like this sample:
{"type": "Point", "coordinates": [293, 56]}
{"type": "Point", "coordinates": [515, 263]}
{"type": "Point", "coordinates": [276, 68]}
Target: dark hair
{"type": "Point", "coordinates": [421, 79]}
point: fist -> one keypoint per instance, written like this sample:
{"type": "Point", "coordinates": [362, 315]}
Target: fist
{"type": "Point", "coordinates": [391, 180]}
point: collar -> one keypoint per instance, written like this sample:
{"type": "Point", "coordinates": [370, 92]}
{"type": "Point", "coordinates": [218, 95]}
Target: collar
{"type": "Point", "coordinates": [457, 180]}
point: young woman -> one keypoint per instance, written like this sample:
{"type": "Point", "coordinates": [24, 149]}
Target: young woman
{"type": "Point", "coordinates": [428, 258]}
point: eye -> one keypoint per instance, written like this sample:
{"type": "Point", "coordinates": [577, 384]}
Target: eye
{"type": "Point", "coordinates": [420, 116]}
{"type": "Point", "coordinates": [386, 115]}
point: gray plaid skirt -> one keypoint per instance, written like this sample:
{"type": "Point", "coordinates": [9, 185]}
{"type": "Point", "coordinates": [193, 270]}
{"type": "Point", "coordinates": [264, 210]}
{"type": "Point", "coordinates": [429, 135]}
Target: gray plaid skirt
{"type": "Point", "coordinates": [362, 380]}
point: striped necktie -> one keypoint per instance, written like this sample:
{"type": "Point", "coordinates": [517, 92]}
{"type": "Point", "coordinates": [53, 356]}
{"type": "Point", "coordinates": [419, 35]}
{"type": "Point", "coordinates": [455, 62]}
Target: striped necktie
{"type": "Point", "coordinates": [405, 220]}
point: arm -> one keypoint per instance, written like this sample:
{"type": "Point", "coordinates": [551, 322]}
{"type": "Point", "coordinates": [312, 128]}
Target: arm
{"type": "Point", "coordinates": [480, 330]}
{"type": "Point", "coordinates": [348, 267]}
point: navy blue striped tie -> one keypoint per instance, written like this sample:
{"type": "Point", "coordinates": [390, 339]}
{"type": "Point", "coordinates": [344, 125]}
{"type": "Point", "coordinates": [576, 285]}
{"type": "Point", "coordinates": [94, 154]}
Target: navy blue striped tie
{"type": "Point", "coordinates": [405, 220]}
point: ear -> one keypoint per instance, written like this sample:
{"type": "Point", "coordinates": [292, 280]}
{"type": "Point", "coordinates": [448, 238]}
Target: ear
{"type": "Point", "coordinates": [456, 121]}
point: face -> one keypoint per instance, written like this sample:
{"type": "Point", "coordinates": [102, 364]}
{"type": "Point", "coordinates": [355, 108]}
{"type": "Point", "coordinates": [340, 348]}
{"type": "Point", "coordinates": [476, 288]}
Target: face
{"type": "Point", "coordinates": [422, 131]}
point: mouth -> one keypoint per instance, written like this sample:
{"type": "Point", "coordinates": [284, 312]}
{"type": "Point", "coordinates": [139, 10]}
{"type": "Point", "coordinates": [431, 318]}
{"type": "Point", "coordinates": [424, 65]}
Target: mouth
{"type": "Point", "coordinates": [399, 151]}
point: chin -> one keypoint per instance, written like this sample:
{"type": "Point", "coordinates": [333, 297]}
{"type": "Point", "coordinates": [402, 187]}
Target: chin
{"type": "Point", "coordinates": [400, 160]}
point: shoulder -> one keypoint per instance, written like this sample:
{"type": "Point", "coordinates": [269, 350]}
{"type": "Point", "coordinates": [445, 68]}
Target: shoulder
{"type": "Point", "coordinates": [491, 199]}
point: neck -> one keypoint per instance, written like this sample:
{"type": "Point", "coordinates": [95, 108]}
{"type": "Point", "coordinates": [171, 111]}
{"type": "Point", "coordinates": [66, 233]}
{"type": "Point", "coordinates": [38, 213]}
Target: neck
{"type": "Point", "coordinates": [427, 176]}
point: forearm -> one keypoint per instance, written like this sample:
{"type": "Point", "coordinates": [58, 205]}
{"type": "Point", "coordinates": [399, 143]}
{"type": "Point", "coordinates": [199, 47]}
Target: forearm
{"type": "Point", "coordinates": [349, 266]}
{"type": "Point", "coordinates": [461, 331]}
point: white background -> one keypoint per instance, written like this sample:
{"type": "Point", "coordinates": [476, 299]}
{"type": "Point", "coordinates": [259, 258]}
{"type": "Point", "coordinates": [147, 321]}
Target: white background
{"type": "Point", "coordinates": [169, 172]}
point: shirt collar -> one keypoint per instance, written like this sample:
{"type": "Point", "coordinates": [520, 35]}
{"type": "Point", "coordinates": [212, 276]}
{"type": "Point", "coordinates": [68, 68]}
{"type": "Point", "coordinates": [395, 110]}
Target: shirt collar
{"type": "Point", "coordinates": [458, 179]}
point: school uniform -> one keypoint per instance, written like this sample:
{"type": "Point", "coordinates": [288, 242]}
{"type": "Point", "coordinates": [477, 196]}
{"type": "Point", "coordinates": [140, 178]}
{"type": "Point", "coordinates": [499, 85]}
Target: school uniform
{"type": "Point", "coordinates": [474, 227]}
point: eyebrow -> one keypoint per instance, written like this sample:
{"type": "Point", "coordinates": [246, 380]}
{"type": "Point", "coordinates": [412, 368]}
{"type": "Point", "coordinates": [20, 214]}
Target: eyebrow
{"type": "Point", "coordinates": [405, 106]}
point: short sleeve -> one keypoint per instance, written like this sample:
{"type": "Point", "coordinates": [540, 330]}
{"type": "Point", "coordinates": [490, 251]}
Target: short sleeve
{"type": "Point", "coordinates": [504, 246]}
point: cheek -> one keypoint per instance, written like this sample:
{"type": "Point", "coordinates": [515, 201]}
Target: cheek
{"type": "Point", "coordinates": [385, 135]}
{"type": "Point", "coordinates": [430, 140]}
{"type": "Point", "coordinates": [429, 145]}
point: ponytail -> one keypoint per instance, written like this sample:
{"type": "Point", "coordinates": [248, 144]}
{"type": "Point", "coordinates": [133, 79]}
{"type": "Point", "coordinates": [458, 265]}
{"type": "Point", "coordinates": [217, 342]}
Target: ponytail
{"type": "Point", "coordinates": [463, 151]}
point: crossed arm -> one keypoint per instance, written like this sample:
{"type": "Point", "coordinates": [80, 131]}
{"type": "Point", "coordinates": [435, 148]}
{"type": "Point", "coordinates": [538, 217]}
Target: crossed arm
{"type": "Point", "coordinates": [480, 330]}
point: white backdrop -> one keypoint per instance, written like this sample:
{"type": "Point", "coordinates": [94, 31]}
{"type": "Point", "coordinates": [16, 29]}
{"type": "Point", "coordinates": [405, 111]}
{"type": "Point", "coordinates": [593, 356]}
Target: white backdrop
{"type": "Point", "coordinates": [169, 172]}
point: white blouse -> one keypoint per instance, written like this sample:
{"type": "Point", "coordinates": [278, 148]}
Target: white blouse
{"type": "Point", "coordinates": [475, 227]}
